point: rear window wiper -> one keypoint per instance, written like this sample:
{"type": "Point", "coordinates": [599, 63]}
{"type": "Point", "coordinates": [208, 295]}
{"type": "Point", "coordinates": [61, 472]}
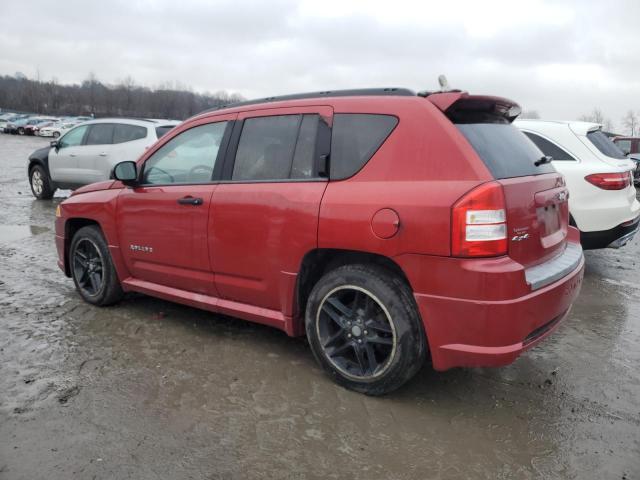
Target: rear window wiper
{"type": "Point", "coordinates": [543, 160]}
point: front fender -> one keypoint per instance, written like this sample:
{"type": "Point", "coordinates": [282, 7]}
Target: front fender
{"type": "Point", "coordinates": [97, 207]}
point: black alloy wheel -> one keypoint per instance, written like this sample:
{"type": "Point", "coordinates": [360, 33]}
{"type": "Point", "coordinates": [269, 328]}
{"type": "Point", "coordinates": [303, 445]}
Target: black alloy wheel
{"type": "Point", "coordinates": [88, 267]}
{"type": "Point", "coordinates": [356, 332]}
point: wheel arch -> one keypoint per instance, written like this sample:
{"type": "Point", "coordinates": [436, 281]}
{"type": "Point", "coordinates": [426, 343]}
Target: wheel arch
{"type": "Point", "coordinates": [71, 226]}
{"type": "Point", "coordinates": [319, 261]}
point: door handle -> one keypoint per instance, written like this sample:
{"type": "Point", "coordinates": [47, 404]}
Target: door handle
{"type": "Point", "coordinates": [189, 200]}
{"type": "Point", "coordinates": [103, 154]}
{"type": "Point", "coordinates": [72, 154]}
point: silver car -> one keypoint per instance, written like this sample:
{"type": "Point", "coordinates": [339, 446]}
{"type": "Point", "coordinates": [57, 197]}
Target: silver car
{"type": "Point", "coordinates": [88, 152]}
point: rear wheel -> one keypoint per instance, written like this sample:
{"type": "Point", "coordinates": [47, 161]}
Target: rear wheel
{"type": "Point", "coordinates": [92, 269]}
{"type": "Point", "coordinates": [41, 185]}
{"type": "Point", "coordinates": [364, 329]}
{"type": "Point", "coordinates": [20, 131]}
{"type": "Point", "coordinates": [56, 134]}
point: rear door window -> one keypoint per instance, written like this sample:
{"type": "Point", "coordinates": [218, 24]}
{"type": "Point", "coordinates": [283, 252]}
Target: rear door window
{"type": "Point", "coordinates": [504, 149]}
{"type": "Point", "coordinates": [278, 147]}
{"type": "Point", "coordinates": [604, 144]}
{"type": "Point", "coordinates": [128, 133]}
{"type": "Point", "coordinates": [355, 138]}
{"type": "Point", "coordinates": [100, 134]}
{"type": "Point", "coordinates": [549, 148]}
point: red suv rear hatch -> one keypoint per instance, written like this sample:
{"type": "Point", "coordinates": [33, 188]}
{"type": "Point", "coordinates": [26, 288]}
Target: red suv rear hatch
{"type": "Point", "coordinates": [535, 195]}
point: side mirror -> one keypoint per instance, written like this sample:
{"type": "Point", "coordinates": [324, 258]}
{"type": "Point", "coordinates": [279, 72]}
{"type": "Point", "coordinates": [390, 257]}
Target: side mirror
{"type": "Point", "coordinates": [126, 172]}
{"type": "Point", "coordinates": [54, 144]}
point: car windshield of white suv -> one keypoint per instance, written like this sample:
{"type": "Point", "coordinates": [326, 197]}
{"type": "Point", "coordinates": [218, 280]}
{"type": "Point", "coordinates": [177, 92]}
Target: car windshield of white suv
{"type": "Point", "coordinates": [605, 145]}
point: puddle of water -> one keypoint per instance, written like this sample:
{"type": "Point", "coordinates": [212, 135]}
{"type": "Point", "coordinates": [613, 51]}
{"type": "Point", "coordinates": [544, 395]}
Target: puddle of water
{"type": "Point", "coordinates": [10, 233]}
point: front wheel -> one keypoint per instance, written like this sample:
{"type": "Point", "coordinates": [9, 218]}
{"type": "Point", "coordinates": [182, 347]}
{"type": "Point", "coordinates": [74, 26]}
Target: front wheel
{"type": "Point", "coordinates": [364, 329]}
{"type": "Point", "coordinates": [41, 185]}
{"type": "Point", "coordinates": [92, 269]}
{"type": "Point", "coordinates": [56, 134]}
{"type": "Point", "coordinates": [21, 131]}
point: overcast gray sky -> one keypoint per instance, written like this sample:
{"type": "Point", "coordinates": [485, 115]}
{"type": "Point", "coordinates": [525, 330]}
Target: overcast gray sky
{"type": "Point", "coordinates": [560, 58]}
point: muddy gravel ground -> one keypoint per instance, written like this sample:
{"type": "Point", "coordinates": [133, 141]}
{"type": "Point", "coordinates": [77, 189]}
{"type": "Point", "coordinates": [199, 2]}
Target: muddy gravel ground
{"type": "Point", "coordinates": [150, 389]}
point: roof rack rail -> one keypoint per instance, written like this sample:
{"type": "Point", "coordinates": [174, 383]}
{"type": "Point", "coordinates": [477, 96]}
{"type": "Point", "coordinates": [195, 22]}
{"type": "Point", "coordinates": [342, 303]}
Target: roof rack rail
{"type": "Point", "coordinates": [359, 92]}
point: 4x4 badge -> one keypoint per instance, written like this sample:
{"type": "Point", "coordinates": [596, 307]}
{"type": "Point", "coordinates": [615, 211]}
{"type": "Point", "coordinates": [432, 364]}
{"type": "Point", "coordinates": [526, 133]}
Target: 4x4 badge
{"type": "Point", "coordinates": [562, 196]}
{"type": "Point", "coordinates": [519, 238]}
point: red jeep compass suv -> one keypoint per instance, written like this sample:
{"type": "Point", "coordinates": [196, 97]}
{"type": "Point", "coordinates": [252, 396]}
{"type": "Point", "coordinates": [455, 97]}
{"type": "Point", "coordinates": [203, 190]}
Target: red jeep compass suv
{"type": "Point", "coordinates": [388, 227]}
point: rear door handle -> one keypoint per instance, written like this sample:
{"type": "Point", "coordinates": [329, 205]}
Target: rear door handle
{"type": "Point", "coordinates": [103, 154]}
{"type": "Point", "coordinates": [189, 200]}
{"type": "Point", "coordinates": [72, 154]}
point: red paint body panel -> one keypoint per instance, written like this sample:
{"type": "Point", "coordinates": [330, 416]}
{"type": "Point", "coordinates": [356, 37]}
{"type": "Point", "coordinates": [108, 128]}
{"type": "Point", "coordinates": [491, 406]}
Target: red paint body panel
{"type": "Point", "coordinates": [258, 232]}
{"type": "Point", "coordinates": [177, 235]}
{"type": "Point", "coordinates": [240, 252]}
{"type": "Point", "coordinates": [477, 312]}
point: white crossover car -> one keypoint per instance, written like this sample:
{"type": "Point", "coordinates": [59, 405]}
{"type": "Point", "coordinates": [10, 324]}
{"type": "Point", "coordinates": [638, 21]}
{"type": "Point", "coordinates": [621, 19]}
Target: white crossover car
{"type": "Point", "coordinates": [88, 152]}
{"type": "Point", "coordinates": [602, 197]}
{"type": "Point", "coordinates": [57, 129]}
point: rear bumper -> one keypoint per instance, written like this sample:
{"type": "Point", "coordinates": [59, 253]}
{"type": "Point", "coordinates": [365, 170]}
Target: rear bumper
{"type": "Point", "coordinates": [614, 238]}
{"type": "Point", "coordinates": [487, 332]}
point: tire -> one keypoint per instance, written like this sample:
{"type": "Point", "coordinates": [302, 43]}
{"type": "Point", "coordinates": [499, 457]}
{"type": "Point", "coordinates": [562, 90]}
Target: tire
{"type": "Point", "coordinates": [367, 316]}
{"type": "Point", "coordinates": [21, 131]}
{"type": "Point", "coordinates": [89, 259]}
{"type": "Point", "coordinates": [56, 134]}
{"type": "Point", "coordinates": [41, 185]}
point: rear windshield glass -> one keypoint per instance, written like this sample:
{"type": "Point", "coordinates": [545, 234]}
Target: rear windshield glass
{"type": "Point", "coordinates": [160, 131]}
{"type": "Point", "coordinates": [605, 145]}
{"type": "Point", "coordinates": [504, 149]}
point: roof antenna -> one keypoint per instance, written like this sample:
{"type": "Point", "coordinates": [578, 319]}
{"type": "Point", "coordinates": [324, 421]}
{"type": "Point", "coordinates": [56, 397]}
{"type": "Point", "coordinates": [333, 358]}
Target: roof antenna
{"type": "Point", "coordinates": [444, 83]}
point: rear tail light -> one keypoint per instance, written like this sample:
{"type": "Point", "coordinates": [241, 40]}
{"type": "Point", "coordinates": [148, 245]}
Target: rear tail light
{"type": "Point", "coordinates": [610, 181]}
{"type": "Point", "coordinates": [478, 223]}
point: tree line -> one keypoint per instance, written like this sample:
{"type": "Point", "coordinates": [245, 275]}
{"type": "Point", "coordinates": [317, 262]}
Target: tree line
{"type": "Point", "coordinates": [92, 97]}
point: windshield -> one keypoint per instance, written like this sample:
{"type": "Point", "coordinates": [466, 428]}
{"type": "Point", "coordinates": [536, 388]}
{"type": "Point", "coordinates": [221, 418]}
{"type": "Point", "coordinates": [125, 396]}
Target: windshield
{"type": "Point", "coordinates": [605, 145]}
{"type": "Point", "coordinates": [504, 149]}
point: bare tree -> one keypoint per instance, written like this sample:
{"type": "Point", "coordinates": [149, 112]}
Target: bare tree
{"type": "Point", "coordinates": [597, 116]}
{"type": "Point", "coordinates": [530, 114]}
{"type": "Point", "coordinates": [630, 121]}
{"type": "Point", "coordinates": [171, 100]}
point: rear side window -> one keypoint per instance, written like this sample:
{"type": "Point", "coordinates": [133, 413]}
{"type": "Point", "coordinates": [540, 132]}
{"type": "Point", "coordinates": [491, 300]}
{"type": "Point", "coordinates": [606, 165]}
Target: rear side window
{"type": "Point", "coordinates": [549, 148]}
{"type": "Point", "coordinates": [160, 131]}
{"type": "Point", "coordinates": [605, 145]}
{"type": "Point", "coordinates": [279, 147]}
{"type": "Point", "coordinates": [504, 149]}
{"type": "Point", "coordinates": [354, 139]}
{"type": "Point", "coordinates": [100, 134]}
{"type": "Point", "coordinates": [128, 133]}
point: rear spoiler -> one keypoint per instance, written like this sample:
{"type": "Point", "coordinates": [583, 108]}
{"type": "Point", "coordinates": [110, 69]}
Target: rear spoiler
{"type": "Point", "coordinates": [456, 103]}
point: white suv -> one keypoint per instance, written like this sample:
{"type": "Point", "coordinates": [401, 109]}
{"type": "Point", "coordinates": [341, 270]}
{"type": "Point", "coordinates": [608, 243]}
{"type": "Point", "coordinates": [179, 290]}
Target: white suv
{"type": "Point", "coordinates": [602, 198]}
{"type": "Point", "coordinates": [88, 152]}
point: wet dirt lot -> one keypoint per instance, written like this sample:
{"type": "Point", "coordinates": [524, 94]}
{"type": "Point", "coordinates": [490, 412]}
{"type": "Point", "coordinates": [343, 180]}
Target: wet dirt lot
{"type": "Point", "coordinates": [150, 389]}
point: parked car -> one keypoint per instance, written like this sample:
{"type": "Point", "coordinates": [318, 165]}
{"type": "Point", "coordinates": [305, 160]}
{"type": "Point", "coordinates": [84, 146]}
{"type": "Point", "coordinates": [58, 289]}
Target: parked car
{"type": "Point", "coordinates": [602, 200]}
{"type": "Point", "coordinates": [389, 227]}
{"type": "Point", "coordinates": [34, 128]}
{"type": "Point", "coordinates": [631, 147]}
{"type": "Point", "coordinates": [628, 144]}
{"type": "Point", "coordinates": [87, 153]}
{"type": "Point", "coordinates": [57, 129]}
{"type": "Point", "coordinates": [7, 118]}
{"type": "Point", "coordinates": [17, 124]}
